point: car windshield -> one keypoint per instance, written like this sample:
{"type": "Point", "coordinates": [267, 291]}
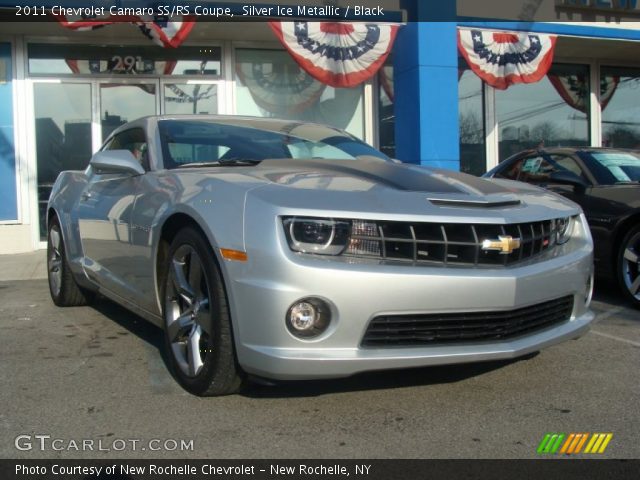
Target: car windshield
{"type": "Point", "coordinates": [616, 167]}
{"type": "Point", "coordinates": [204, 142]}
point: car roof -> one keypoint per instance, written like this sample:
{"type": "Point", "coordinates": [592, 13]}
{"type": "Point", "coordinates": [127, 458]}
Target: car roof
{"type": "Point", "coordinates": [572, 150]}
{"type": "Point", "coordinates": [261, 123]}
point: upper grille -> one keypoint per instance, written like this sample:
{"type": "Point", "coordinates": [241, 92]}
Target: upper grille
{"type": "Point", "coordinates": [439, 328]}
{"type": "Point", "coordinates": [448, 243]}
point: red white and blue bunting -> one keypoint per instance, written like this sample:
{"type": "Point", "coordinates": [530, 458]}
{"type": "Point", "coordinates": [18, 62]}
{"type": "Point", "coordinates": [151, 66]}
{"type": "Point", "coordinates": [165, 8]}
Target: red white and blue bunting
{"type": "Point", "coordinates": [337, 54]}
{"type": "Point", "coordinates": [574, 90]}
{"type": "Point", "coordinates": [505, 58]}
{"type": "Point", "coordinates": [280, 89]}
{"type": "Point", "coordinates": [166, 33]}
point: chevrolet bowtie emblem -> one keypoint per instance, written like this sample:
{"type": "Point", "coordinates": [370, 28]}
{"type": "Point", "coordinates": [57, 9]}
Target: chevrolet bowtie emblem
{"type": "Point", "coordinates": [504, 244]}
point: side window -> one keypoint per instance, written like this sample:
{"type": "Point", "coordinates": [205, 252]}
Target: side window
{"type": "Point", "coordinates": [108, 145]}
{"type": "Point", "coordinates": [534, 169]}
{"type": "Point", "coordinates": [565, 162]}
{"type": "Point", "coordinates": [538, 169]}
{"type": "Point", "coordinates": [133, 140]}
{"type": "Point", "coordinates": [513, 171]}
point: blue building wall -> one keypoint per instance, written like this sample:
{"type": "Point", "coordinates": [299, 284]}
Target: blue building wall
{"type": "Point", "coordinates": [426, 88]}
{"type": "Point", "coordinates": [8, 187]}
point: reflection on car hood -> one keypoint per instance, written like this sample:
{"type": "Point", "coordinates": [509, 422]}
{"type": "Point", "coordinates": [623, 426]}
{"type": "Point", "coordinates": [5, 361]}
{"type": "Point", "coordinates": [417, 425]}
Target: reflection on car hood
{"type": "Point", "coordinates": [316, 174]}
{"type": "Point", "coordinates": [372, 185]}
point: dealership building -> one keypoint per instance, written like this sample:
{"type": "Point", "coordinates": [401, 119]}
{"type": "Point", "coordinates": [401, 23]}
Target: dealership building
{"type": "Point", "coordinates": [63, 90]}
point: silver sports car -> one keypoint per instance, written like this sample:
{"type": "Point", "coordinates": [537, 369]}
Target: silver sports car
{"type": "Point", "coordinates": [287, 250]}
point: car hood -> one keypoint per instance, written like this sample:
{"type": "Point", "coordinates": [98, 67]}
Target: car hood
{"type": "Point", "coordinates": [621, 198]}
{"type": "Point", "coordinates": [372, 187]}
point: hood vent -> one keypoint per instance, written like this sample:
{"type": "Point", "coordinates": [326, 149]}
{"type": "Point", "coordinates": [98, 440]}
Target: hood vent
{"type": "Point", "coordinates": [450, 202]}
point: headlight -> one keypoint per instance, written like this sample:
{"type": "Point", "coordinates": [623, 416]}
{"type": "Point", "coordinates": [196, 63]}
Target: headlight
{"type": "Point", "coordinates": [564, 229]}
{"type": "Point", "coordinates": [324, 236]}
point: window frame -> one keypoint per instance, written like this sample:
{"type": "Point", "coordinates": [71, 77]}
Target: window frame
{"type": "Point", "coordinates": [123, 42]}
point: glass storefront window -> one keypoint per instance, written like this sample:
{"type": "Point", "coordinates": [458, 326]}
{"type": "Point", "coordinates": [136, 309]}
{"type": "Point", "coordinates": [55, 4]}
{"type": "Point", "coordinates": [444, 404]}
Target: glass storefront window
{"type": "Point", "coordinates": [270, 84]}
{"type": "Point", "coordinates": [121, 103]}
{"type": "Point", "coordinates": [8, 191]}
{"type": "Point", "coordinates": [78, 59]}
{"type": "Point", "coordinates": [63, 135]}
{"type": "Point", "coordinates": [473, 157]}
{"type": "Point", "coordinates": [182, 98]}
{"type": "Point", "coordinates": [551, 112]}
{"type": "Point", "coordinates": [620, 101]}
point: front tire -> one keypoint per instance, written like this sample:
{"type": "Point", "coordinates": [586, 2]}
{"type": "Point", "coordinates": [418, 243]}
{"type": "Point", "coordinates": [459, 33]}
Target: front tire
{"type": "Point", "coordinates": [65, 292]}
{"type": "Point", "coordinates": [198, 334]}
{"type": "Point", "coordinates": [628, 265]}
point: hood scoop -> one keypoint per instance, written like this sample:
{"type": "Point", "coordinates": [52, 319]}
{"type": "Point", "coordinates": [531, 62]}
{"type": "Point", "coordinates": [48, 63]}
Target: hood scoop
{"type": "Point", "coordinates": [476, 203]}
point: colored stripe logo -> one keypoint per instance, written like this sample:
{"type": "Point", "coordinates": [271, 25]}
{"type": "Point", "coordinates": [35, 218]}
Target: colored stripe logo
{"type": "Point", "coordinates": [574, 443]}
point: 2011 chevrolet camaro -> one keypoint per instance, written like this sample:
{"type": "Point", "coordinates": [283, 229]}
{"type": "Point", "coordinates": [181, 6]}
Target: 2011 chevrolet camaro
{"type": "Point", "coordinates": [288, 250]}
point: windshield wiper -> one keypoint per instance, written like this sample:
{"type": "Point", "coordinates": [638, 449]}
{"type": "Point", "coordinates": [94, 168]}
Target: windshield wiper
{"type": "Point", "coordinates": [627, 182]}
{"type": "Point", "coordinates": [223, 162]}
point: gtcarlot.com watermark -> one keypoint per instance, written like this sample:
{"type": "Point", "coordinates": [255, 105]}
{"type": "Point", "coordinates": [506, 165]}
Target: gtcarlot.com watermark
{"type": "Point", "coordinates": [44, 443]}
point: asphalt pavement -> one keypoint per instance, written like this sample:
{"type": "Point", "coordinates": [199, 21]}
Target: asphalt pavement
{"type": "Point", "coordinates": [98, 374]}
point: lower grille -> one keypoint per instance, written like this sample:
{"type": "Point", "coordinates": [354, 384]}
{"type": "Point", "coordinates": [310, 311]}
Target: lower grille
{"type": "Point", "coordinates": [439, 328]}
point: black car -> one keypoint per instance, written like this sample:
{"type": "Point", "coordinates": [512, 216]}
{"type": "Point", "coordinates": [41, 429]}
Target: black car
{"type": "Point", "coordinates": [606, 184]}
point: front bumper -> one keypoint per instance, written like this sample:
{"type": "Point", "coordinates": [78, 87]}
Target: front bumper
{"type": "Point", "coordinates": [299, 364]}
{"type": "Point", "coordinates": [261, 291]}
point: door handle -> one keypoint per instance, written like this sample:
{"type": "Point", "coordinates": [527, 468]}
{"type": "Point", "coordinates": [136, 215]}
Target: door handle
{"type": "Point", "coordinates": [85, 195]}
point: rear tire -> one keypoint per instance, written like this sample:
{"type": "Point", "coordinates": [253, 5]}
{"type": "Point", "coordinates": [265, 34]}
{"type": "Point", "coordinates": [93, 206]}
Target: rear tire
{"type": "Point", "coordinates": [198, 334]}
{"type": "Point", "coordinates": [628, 266]}
{"type": "Point", "coordinates": [65, 292]}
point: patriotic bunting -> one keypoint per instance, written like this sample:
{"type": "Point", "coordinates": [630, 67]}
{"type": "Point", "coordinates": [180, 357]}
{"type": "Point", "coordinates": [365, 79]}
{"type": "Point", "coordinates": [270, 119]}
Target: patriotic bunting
{"type": "Point", "coordinates": [197, 94]}
{"type": "Point", "coordinates": [608, 86]}
{"type": "Point", "coordinates": [502, 59]}
{"type": "Point", "coordinates": [337, 54]}
{"type": "Point", "coordinates": [166, 33]}
{"type": "Point", "coordinates": [279, 89]}
{"type": "Point", "coordinates": [574, 90]}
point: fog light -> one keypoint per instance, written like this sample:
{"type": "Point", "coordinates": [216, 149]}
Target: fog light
{"type": "Point", "coordinates": [588, 294]}
{"type": "Point", "coordinates": [308, 317]}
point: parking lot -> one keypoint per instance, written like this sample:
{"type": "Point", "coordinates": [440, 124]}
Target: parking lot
{"type": "Point", "coordinates": [98, 373]}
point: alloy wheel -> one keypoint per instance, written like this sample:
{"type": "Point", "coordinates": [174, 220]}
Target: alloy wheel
{"type": "Point", "coordinates": [54, 260]}
{"type": "Point", "coordinates": [187, 311]}
{"type": "Point", "coordinates": [631, 265]}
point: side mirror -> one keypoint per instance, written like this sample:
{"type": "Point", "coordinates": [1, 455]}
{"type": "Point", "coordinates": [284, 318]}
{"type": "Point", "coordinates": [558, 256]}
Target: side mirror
{"type": "Point", "coordinates": [116, 161]}
{"type": "Point", "coordinates": [568, 178]}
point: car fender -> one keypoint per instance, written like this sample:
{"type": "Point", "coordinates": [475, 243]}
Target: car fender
{"type": "Point", "coordinates": [217, 208]}
{"type": "Point", "coordinates": [63, 201]}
